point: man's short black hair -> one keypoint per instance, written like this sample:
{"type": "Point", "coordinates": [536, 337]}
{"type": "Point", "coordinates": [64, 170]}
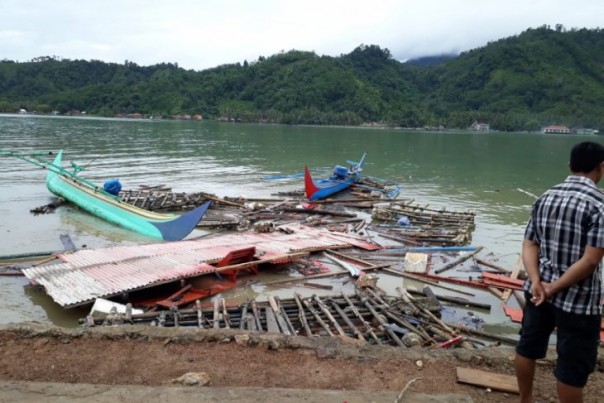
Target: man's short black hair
{"type": "Point", "coordinates": [585, 156]}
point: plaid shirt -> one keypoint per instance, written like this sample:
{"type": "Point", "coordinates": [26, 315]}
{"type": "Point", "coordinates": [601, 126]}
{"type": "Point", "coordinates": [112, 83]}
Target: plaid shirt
{"type": "Point", "coordinates": [564, 220]}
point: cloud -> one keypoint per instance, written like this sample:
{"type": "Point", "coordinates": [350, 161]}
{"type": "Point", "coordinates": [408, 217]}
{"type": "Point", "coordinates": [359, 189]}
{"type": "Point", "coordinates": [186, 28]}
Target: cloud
{"type": "Point", "coordinates": [204, 34]}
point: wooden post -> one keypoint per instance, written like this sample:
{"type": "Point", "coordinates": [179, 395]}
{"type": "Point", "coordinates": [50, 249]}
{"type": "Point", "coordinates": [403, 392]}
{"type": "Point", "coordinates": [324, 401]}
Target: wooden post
{"type": "Point", "coordinates": [243, 320]}
{"type": "Point", "coordinates": [216, 317]}
{"type": "Point", "coordinates": [279, 316]}
{"type": "Point", "coordinates": [368, 328]}
{"type": "Point", "coordinates": [285, 317]}
{"type": "Point", "coordinates": [271, 321]}
{"type": "Point", "coordinates": [346, 319]}
{"type": "Point", "coordinates": [256, 315]}
{"type": "Point", "coordinates": [225, 314]}
{"type": "Point", "coordinates": [517, 268]}
{"type": "Point", "coordinates": [302, 314]}
{"type": "Point", "coordinates": [199, 314]}
{"type": "Point", "coordinates": [329, 315]}
{"type": "Point", "coordinates": [317, 317]}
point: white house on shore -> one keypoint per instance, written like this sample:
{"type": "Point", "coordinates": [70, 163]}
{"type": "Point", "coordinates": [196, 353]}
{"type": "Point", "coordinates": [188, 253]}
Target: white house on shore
{"type": "Point", "coordinates": [556, 129]}
{"type": "Point", "coordinates": [480, 127]}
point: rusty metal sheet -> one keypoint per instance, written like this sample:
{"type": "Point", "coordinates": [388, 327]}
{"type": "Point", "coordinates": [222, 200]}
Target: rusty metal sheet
{"type": "Point", "coordinates": [89, 274]}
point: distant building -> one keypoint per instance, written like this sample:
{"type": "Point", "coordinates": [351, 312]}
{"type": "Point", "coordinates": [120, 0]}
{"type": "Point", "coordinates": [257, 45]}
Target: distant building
{"type": "Point", "coordinates": [480, 127]}
{"type": "Point", "coordinates": [556, 129]}
{"type": "Point", "coordinates": [587, 131]}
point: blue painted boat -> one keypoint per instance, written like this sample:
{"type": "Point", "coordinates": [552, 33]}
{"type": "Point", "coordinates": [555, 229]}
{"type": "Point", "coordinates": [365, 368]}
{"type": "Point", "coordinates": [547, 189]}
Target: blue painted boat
{"type": "Point", "coordinates": [342, 178]}
{"type": "Point", "coordinates": [97, 201]}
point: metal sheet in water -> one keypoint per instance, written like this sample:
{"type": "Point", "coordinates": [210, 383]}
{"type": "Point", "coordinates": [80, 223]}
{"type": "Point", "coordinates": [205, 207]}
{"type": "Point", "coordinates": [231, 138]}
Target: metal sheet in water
{"type": "Point", "coordinates": [88, 274]}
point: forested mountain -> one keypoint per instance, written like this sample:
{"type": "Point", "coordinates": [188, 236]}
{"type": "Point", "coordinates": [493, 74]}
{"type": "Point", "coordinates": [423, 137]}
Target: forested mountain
{"type": "Point", "coordinates": [541, 77]}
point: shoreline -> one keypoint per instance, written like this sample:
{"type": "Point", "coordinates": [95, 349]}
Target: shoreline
{"type": "Point", "coordinates": [55, 361]}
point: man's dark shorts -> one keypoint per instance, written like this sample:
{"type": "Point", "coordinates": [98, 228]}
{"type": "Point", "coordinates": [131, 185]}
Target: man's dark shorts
{"type": "Point", "coordinates": [577, 340]}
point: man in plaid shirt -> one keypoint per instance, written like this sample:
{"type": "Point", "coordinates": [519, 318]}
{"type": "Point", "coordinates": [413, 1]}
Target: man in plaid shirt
{"type": "Point", "coordinates": [562, 251]}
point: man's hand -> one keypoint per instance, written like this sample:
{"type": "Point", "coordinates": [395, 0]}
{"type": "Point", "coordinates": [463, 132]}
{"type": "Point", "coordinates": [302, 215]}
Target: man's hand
{"type": "Point", "coordinates": [539, 292]}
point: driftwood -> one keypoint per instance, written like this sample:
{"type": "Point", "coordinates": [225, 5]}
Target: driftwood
{"type": "Point", "coordinates": [458, 261]}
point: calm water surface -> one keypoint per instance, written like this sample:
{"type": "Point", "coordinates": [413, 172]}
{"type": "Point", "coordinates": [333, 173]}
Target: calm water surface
{"type": "Point", "coordinates": [489, 174]}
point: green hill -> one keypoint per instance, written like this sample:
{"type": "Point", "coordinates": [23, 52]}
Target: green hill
{"type": "Point", "coordinates": [542, 76]}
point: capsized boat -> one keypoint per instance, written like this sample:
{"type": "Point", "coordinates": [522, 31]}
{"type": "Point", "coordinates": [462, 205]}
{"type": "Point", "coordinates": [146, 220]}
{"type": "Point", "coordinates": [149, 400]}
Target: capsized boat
{"type": "Point", "coordinates": [97, 201]}
{"type": "Point", "coordinates": [342, 178]}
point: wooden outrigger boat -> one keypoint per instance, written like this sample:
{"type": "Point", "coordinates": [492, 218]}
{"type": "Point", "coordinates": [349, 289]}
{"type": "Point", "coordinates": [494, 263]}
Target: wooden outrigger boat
{"type": "Point", "coordinates": [97, 201]}
{"type": "Point", "coordinates": [342, 178]}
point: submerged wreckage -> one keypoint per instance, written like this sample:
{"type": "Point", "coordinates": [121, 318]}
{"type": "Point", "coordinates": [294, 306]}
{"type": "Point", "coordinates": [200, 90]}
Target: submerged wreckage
{"type": "Point", "coordinates": [361, 235]}
{"type": "Point", "coordinates": [359, 238]}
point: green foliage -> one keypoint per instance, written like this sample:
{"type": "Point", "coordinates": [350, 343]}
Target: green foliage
{"type": "Point", "coordinates": [542, 76]}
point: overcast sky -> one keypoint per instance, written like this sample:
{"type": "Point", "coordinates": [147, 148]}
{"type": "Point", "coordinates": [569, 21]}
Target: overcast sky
{"type": "Point", "coordinates": [199, 34]}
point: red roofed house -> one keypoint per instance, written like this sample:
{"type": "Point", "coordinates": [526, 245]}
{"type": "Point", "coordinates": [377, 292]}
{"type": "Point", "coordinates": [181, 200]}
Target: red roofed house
{"type": "Point", "coordinates": [556, 129]}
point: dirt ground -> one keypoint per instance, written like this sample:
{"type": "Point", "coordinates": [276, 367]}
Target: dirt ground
{"type": "Point", "coordinates": [154, 356]}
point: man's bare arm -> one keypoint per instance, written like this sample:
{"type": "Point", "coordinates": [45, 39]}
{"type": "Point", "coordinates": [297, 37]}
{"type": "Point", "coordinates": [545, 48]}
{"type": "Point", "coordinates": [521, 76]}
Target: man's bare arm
{"type": "Point", "coordinates": [578, 270]}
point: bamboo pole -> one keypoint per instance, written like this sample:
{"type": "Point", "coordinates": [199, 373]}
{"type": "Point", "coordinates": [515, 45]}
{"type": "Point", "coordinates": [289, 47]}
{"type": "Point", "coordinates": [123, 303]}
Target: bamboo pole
{"type": "Point", "coordinates": [493, 266]}
{"type": "Point", "coordinates": [347, 320]}
{"type": "Point", "coordinates": [401, 321]}
{"type": "Point", "coordinates": [458, 261]}
{"type": "Point", "coordinates": [454, 300]}
{"type": "Point", "coordinates": [216, 318]}
{"type": "Point", "coordinates": [302, 315]}
{"type": "Point", "coordinates": [383, 324]}
{"type": "Point", "coordinates": [285, 316]}
{"type": "Point", "coordinates": [427, 281]}
{"type": "Point", "coordinates": [515, 272]}
{"type": "Point", "coordinates": [199, 314]}
{"type": "Point", "coordinates": [368, 329]}
{"type": "Point", "coordinates": [243, 320]}
{"type": "Point", "coordinates": [329, 316]}
{"type": "Point", "coordinates": [279, 316]}
{"type": "Point", "coordinates": [225, 314]}
{"type": "Point", "coordinates": [408, 298]}
{"type": "Point", "coordinates": [317, 317]}
{"type": "Point", "coordinates": [256, 315]}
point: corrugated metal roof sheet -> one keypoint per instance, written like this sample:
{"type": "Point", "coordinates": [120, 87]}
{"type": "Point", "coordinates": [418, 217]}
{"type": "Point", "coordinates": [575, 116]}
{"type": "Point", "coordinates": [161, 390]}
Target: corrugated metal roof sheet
{"type": "Point", "coordinates": [88, 274]}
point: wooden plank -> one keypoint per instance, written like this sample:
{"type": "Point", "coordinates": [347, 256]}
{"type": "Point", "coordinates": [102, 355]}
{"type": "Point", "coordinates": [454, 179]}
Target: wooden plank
{"type": "Point", "coordinates": [243, 319]}
{"type": "Point", "coordinates": [216, 317]}
{"type": "Point", "coordinates": [496, 291]}
{"type": "Point", "coordinates": [256, 314]}
{"type": "Point", "coordinates": [317, 317]}
{"type": "Point", "coordinates": [329, 316]}
{"type": "Point", "coordinates": [271, 321]}
{"type": "Point", "coordinates": [225, 314]}
{"type": "Point", "coordinates": [517, 267]}
{"type": "Point", "coordinates": [320, 286]}
{"type": "Point", "coordinates": [302, 315]}
{"type": "Point", "coordinates": [477, 377]}
{"type": "Point", "coordinates": [502, 281]}
{"type": "Point", "coordinates": [346, 319]}
{"type": "Point", "coordinates": [290, 327]}
{"type": "Point", "coordinates": [278, 316]}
